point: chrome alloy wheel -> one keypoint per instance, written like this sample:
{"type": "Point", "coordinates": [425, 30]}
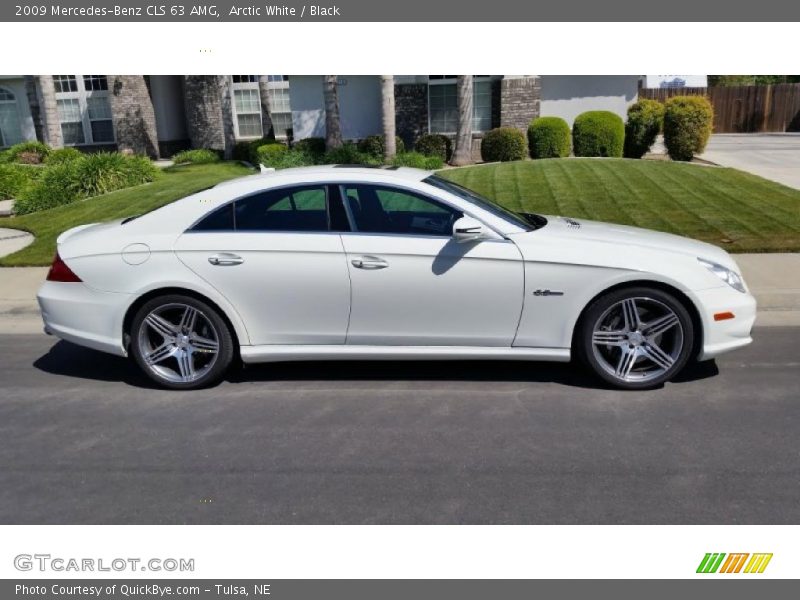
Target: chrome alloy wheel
{"type": "Point", "coordinates": [637, 339]}
{"type": "Point", "coordinates": [178, 343]}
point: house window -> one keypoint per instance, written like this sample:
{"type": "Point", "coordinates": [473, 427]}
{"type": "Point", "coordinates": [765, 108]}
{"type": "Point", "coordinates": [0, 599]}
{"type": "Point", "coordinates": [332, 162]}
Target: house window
{"type": "Point", "coordinates": [10, 132]}
{"type": "Point", "coordinates": [247, 106]}
{"type": "Point", "coordinates": [69, 114]}
{"type": "Point", "coordinates": [65, 83]}
{"type": "Point", "coordinates": [245, 78]}
{"type": "Point", "coordinates": [95, 83]}
{"type": "Point", "coordinates": [443, 104]}
{"type": "Point", "coordinates": [280, 108]}
{"type": "Point", "coordinates": [84, 111]}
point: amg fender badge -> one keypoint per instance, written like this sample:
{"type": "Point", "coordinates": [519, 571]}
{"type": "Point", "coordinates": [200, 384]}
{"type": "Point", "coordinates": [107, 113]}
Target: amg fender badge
{"type": "Point", "coordinates": [547, 293]}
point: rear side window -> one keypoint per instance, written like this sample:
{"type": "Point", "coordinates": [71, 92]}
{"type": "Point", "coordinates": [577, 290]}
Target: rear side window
{"type": "Point", "coordinates": [302, 208]}
{"type": "Point", "coordinates": [289, 209]}
{"type": "Point", "coordinates": [218, 220]}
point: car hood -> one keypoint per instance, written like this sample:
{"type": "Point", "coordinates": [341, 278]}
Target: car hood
{"type": "Point", "coordinates": [611, 238]}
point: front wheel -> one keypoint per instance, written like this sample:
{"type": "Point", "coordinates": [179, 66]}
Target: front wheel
{"type": "Point", "coordinates": [181, 342]}
{"type": "Point", "coordinates": [636, 338]}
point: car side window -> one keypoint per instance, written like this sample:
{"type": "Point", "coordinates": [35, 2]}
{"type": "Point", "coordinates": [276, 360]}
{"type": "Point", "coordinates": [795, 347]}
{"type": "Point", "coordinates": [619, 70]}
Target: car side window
{"type": "Point", "coordinates": [379, 209]}
{"type": "Point", "coordinates": [285, 209]}
{"type": "Point", "coordinates": [220, 219]}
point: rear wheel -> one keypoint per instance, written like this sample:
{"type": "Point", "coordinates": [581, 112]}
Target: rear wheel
{"type": "Point", "coordinates": [636, 338]}
{"type": "Point", "coordinates": [181, 342]}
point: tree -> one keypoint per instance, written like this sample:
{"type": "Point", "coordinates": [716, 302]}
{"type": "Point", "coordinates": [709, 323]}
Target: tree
{"type": "Point", "coordinates": [462, 152]}
{"type": "Point", "coordinates": [266, 118]}
{"type": "Point", "coordinates": [333, 124]}
{"type": "Point", "coordinates": [730, 80]}
{"type": "Point", "coordinates": [48, 107]}
{"type": "Point", "coordinates": [387, 117]}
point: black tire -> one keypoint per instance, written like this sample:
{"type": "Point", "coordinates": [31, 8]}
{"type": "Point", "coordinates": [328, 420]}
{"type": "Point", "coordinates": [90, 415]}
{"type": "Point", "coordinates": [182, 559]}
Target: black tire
{"type": "Point", "coordinates": [599, 357]}
{"type": "Point", "coordinates": [192, 351]}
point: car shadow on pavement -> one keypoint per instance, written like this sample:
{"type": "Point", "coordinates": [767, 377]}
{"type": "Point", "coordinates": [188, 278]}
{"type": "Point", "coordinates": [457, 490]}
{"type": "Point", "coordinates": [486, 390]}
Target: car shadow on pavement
{"type": "Point", "coordinates": [69, 360]}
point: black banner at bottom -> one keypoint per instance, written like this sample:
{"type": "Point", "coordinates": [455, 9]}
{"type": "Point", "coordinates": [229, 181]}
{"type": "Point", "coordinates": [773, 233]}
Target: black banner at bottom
{"type": "Point", "coordinates": [733, 588]}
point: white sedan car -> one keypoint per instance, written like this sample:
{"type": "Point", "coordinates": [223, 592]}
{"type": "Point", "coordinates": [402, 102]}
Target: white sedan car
{"type": "Point", "coordinates": [330, 263]}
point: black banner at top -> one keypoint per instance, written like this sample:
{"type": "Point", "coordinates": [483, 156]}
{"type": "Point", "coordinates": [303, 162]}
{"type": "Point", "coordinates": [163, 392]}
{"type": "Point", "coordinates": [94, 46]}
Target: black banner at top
{"type": "Point", "coordinates": [404, 11]}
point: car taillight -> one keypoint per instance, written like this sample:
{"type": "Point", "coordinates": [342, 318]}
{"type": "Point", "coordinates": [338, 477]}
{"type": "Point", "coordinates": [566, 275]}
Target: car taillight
{"type": "Point", "coordinates": [59, 271]}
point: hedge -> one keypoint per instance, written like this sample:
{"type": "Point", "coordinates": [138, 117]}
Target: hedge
{"type": "Point", "coordinates": [598, 133]}
{"type": "Point", "coordinates": [418, 161]}
{"type": "Point", "coordinates": [90, 175]}
{"type": "Point", "coordinates": [313, 146]}
{"type": "Point", "coordinates": [503, 144]}
{"type": "Point", "coordinates": [269, 154]}
{"type": "Point", "coordinates": [62, 155]}
{"type": "Point", "coordinates": [27, 153]}
{"type": "Point", "coordinates": [645, 119]}
{"type": "Point", "coordinates": [688, 121]}
{"type": "Point", "coordinates": [548, 137]}
{"type": "Point", "coordinates": [14, 178]}
{"type": "Point", "coordinates": [434, 144]}
{"type": "Point", "coordinates": [201, 156]}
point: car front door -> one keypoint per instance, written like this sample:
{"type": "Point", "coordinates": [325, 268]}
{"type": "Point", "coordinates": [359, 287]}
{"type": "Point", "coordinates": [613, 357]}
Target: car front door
{"type": "Point", "coordinates": [277, 257]}
{"type": "Point", "coordinates": [413, 284]}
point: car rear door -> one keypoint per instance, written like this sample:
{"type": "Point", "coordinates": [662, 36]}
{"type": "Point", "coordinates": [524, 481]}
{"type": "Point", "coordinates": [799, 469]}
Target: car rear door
{"type": "Point", "coordinates": [277, 257]}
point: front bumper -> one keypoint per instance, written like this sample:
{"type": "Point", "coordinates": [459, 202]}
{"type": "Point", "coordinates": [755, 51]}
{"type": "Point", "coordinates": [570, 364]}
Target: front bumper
{"type": "Point", "coordinates": [726, 335]}
{"type": "Point", "coordinates": [87, 317]}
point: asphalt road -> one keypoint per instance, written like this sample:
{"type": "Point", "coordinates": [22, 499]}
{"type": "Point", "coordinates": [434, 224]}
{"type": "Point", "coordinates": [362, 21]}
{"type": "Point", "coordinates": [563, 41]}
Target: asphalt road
{"type": "Point", "coordinates": [84, 440]}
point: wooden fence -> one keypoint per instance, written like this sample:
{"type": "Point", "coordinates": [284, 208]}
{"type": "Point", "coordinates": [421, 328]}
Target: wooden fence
{"type": "Point", "coordinates": [746, 108]}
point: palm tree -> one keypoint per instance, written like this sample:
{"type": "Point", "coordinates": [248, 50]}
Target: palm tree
{"type": "Point", "coordinates": [387, 117]}
{"type": "Point", "coordinates": [462, 153]}
{"type": "Point", "coordinates": [333, 125]}
{"type": "Point", "coordinates": [266, 117]}
{"type": "Point", "coordinates": [48, 107]}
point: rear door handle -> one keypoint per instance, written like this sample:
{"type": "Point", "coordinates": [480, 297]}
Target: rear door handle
{"type": "Point", "coordinates": [370, 263]}
{"type": "Point", "coordinates": [225, 259]}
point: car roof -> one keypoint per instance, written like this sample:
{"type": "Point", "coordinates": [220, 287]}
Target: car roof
{"type": "Point", "coordinates": [312, 174]}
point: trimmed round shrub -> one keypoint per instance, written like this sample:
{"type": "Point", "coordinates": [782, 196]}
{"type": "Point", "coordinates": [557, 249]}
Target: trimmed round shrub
{"type": "Point", "coordinates": [246, 151]}
{"type": "Point", "coordinates": [28, 153]}
{"type": "Point", "coordinates": [269, 154]}
{"type": "Point", "coordinates": [313, 146]}
{"type": "Point", "coordinates": [548, 137]}
{"type": "Point", "coordinates": [503, 144]}
{"type": "Point", "coordinates": [688, 121]}
{"type": "Point", "coordinates": [645, 119]}
{"type": "Point", "coordinates": [58, 185]}
{"type": "Point", "coordinates": [598, 133]}
{"type": "Point", "coordinates": [200, 156]}
{"type": "Point", "coordinates": [434, 144]}
{"type": "Point", "coordinates": [418, 161]}
{"type": "Point", "coordinates": [14, 178]}
{"type": "Point", "coordinates": [374, 146]}
{"type": "Point", "coordinates": [62, 155]}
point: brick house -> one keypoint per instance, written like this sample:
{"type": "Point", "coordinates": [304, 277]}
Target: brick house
{"type": "Point", "coordinates": [428, 103]}
{"type": "Point", "coordinates": [158, 115]}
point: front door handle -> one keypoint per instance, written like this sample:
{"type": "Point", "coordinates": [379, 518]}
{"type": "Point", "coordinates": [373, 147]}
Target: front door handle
{"type": "Point", "coordinates": [369, 262]}
{"type": "Point", "coordinates": [225, 259]}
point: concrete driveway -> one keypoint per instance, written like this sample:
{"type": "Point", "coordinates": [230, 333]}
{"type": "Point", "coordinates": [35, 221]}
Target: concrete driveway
{"type": "Point", "coordinates": [774, 156]}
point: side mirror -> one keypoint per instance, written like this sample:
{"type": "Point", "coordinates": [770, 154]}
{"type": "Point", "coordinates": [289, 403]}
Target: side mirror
{"type": "Point", "coordinates": [467, 229]}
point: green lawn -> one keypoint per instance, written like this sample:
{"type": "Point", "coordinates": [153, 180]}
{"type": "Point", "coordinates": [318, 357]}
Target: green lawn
{"type": "Point", "coordinates": [175, 183]}
{"type": "Point", "coordinates": [737, 211]}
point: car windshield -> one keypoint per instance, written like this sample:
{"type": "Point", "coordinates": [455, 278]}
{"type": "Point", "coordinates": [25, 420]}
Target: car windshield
{"type": "Point", "coordinates": [526, 222]}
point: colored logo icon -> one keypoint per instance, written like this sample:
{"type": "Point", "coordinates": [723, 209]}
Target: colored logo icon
{"type": "Point", "coordinates": [719, 562]}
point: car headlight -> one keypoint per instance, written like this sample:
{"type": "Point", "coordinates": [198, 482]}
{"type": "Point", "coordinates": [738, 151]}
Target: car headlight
{"type": "Point", "coordinates": [732, 278]}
